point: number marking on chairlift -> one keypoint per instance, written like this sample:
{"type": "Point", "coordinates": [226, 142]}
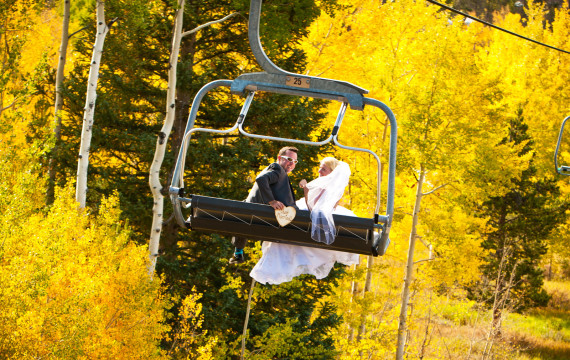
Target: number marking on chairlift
{"type": "Point", "coordinates": [298, 81]}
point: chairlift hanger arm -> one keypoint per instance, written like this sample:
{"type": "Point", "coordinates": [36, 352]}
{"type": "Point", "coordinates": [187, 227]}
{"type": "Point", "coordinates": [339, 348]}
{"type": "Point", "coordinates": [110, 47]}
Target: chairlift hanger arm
{"type": "Point", "coordinates": [176, 189]}
{"type": "Point", "coordinates": [562, 170]}
{"type": "Point", "coordinates": [179, 168]}
{"type": "Point", "coordinates": [387, 219]}
{"type": "Point", "coordinates": [278, 80]}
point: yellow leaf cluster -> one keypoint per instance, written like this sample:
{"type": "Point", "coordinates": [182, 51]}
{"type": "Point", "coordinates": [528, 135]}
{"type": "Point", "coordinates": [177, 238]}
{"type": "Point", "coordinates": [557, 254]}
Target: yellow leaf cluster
{"type": "Point", "coordinates": [454, 88]}
{"type": "Point", "coordinates": [188, 339]}
{"type": "Point", "coordinates": [29, 53]}
{"type": "Point", "coordinates": [74, 287]}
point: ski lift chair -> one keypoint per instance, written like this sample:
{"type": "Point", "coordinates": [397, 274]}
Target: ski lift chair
{"type": "Point", "coordinates": [368, 236]}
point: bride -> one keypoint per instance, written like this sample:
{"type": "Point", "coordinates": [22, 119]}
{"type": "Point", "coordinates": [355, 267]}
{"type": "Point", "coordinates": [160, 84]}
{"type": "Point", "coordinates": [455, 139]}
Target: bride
{"type": "Point", "coordinates": [282, 262]}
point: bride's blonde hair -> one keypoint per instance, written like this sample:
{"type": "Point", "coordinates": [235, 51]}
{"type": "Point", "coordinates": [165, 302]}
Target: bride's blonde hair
{"type": "Point", "coordinates": [331, 162]}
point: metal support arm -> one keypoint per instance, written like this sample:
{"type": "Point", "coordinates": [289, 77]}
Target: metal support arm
{"type": "Point", "coordinates": [285, 82]}
{"type": "Point", "coordinates": [562, 170]}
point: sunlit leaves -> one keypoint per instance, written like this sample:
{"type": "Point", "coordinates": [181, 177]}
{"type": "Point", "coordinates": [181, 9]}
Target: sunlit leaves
{"type": "Point", "coordinates": [454, 89]}
{"type": "Point", "coordinates": [75, 287]}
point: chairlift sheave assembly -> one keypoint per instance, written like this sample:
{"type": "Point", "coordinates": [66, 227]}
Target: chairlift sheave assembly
{"type": "Point", "coordinates": [563, 169]}
{"type": "Point", "coordinates": [368, 236]}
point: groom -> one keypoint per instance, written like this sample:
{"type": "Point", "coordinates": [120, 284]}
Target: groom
{"type": "Point", "coordinates": [272, 187]}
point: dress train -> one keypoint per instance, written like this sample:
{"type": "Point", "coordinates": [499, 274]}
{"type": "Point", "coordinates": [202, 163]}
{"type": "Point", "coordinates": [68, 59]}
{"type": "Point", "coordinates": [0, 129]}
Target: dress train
{"type": "Point", "coordinates": [282, 262]}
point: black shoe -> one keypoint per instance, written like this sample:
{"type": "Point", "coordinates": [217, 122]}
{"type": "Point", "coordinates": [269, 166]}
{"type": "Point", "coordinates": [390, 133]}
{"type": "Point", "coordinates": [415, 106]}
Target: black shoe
{"type": "Point", "coordinates": [237, 259]}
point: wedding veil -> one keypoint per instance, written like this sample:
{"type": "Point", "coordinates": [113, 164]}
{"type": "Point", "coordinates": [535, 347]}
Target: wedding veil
{"type": "Point", "coordinates": [324, 193]}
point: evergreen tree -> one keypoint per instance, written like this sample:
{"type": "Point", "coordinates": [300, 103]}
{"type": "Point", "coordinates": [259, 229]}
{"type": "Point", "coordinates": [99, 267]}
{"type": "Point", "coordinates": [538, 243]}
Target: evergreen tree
{"type": "Point", "coordinates": [518, 226]}
{"type": "Point", "coordinates": [130, 110]}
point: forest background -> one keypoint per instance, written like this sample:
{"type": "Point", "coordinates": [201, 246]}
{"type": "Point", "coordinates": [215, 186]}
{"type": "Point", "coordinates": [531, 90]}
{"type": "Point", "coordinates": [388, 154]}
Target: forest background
{"type": "Point", "coordinates": [477, 196]}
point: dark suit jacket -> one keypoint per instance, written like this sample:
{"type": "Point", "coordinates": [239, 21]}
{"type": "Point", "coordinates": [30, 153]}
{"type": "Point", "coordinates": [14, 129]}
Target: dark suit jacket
{"type": "Point", "coordinates": [272, 184]}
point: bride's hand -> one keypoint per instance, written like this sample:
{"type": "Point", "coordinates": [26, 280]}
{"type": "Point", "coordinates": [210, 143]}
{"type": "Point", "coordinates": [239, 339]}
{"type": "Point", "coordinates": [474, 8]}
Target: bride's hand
{"type": "Point", "coordinates": [303, 184]}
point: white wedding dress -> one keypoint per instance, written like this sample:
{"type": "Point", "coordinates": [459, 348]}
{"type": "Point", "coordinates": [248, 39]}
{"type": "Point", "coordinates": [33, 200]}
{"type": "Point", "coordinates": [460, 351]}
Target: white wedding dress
{"type": "Point", "coordinates": [282, 262]}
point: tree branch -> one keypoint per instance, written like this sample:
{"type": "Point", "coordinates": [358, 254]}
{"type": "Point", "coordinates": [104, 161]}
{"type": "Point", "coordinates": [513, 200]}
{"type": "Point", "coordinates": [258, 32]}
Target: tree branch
{"type": "Point", "coordinates": [9, 106]}
{"type": "Point", "coordinates": [420, 261]}
{"type": "Point", "coordinates": [437, 188]}
{"type": "Point", "coordinates": [78, 31]}
{"type": "Point", "coordinates": [208, 24]}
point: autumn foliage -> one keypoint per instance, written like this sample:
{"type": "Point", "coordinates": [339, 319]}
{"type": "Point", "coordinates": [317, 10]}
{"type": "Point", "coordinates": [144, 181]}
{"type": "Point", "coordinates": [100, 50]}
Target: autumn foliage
{"type": "Point", "coordinates": [478, 113]}
{"type": "Point", "coordinates": [76, 288]}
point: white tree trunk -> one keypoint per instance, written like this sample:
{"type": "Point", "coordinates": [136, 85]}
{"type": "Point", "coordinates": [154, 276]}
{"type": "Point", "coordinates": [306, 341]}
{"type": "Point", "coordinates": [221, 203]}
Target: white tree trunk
{"type": "Point", "coordinates": [83, 163]}
{"type": "Point", "coordinates": [409, 270]}
{"type": "Point", "coordinates": [61, 66]}
{"type": "Point", "coordinates": [58, 97]}
{"type": "Point", "coordinates": [154, 176]}
{"type": "Point", "coordinates": [367, 287]}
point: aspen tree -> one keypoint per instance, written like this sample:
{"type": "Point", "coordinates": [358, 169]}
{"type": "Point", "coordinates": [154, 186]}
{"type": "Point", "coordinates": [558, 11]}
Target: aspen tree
{"type": "Point", "coordinates": [154, 178]}
{"type": "Point", "coordinates": [58, 94]}
{"type": "Point", "coordinates": [88, 117]}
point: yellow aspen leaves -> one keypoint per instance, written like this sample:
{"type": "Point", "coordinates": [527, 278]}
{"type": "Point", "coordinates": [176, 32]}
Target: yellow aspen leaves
{"type": "Point", "coordinates": [74, 286]}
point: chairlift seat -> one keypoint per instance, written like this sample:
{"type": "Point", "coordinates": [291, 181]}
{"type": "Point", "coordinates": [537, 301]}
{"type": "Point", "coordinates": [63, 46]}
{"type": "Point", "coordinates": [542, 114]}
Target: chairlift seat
{"type": "Point", "coordinates": [258, 222]}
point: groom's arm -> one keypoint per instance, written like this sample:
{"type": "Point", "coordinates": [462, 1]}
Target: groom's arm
{"type": "Point", "coordinates": [264, 182]}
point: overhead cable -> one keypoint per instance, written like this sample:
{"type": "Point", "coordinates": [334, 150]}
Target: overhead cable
{"type": "Point", "coordinates": [495, 26]}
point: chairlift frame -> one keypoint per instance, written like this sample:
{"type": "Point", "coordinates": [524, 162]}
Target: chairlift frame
{"type": "Point", "coordinates": [367, 236]}
{"type": "Point", "coordinates": [563, 169]}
